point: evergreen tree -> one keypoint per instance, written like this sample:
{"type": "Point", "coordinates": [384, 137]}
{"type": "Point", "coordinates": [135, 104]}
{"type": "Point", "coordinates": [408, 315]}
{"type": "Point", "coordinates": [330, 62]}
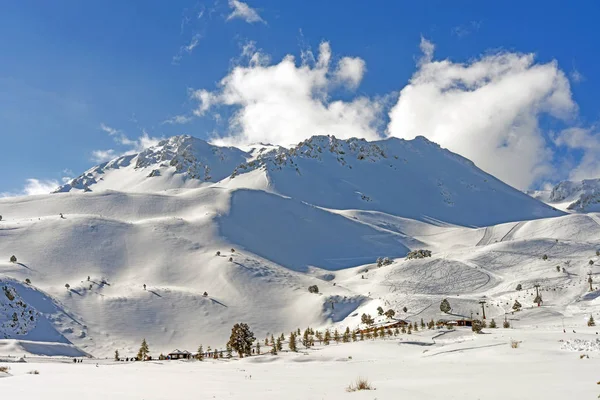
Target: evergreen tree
{"type": "Point", "coordinates": [346, 335]}
{"type": "Point", "coordinates": [379, 310]}
{"type": "Point", "coordinates": [306, 339]}
{"type": "Point", "coordinates": [241, 339]}
{"type": "Point", "coordinates": [409, 330]}
{"type": "Point", "coordinates": [228, 350]}
{"type": "Point", "coordinates": [13, 259]}
{"type": "Point", "coordinates": [493, 324]}
{"type": "Point", "coordinates": [445, 306]}
{"type": "Point", "coordinates": [375, 334]}
{"type": "Point", "coordinates": [274, 349]}
{"type": "Point", "coordinates": [336, 336]}
{"type": "Point", "coordinates": [390, 313]}
{"type": "Point", "coordinates": [319, 337]}
{"type": "Point", "coordinates": [506, 324]}
{"type": "Point", "coordinates": [272, 341]}
{"type": "Point", "coordinates": [327, 337]}
{"type": "Point", "coordinates": [258, 347]}
{"type": "Point", "coordinates": [396, 331]}
{"type": "Point", "coordinates": [144, 351]}
{"type": "Point", "coordinates": [405, 309]}
{"type": "Point", "coordinates": [367, 319]}
{"type": "Point", "coordinates": [200, 355]}
{"type": "Point", "coordinates": [279, 344]}
{"type": "Point", "coordinates": [354, 337]}
{"type": "Point", "coordinates": [292, 343]}
{"type": "Point", "coordinates": [591, 321]}
{"type": "Point", "coordinates": [519, 287]}
{"type": "Point", "coordinates": [362, 335]}
{"type": "Point", "coordinates": [422, 324]}
{"type": "Point", "coordinates": [267, 341]}
{"type": "Point", "coordinates": [116, 355]}
{"type": "Point", "coordinates": [403, 330]}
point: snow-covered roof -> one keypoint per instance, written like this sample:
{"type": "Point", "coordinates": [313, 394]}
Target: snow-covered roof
{"type": "Point", "coordinates": [177, 351]}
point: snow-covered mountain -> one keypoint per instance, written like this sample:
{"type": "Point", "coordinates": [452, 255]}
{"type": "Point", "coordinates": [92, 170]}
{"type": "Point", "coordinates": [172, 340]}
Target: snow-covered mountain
{"type": "Point", "coordinates": [221, 235]}
{"type": "Point", "coordinates": [178, 162]}
{"type": "Point", "coordinates": [414, 179]}
{"type": "Point", "coordinates": [573, 196]}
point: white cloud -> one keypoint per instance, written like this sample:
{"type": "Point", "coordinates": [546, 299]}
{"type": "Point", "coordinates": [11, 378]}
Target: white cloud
{"type": "Point", "coordinates": [242, 10]}
{"type": "Point", "coordinates": [586, 141]}
{"type": "Point", "coordinates": [487, 110]}
{"type": "Point", "coordinates": [178, 120]}
{"type": "Point", "coordinates": [101, 156]}
{"type": "Point", "coordinates": [187, 49]}
{"type": "Point", "coordinates": [135, 146]}
{"type": "Point", "coordinates": [34, 186]}
{"type": "Point", "coordinates": [351, 71]}
{"type": "Point", "coordinates": [576, 76]}
{"type": "Point", "coordinates": [285, 103]}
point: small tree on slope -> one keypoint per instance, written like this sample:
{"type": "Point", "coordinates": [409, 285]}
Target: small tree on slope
{"type": "Point", "coordinates": [591, 321]}
{"type": "Point", "coordinates": [445, 306]}
{"type": "Point", "coordinates": [13, 259]}
{"type": "Point", "coordinates": [241, 339]}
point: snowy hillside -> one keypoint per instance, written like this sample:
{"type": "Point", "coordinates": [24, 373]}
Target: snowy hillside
{"type": "Point", "coordinates": [178, 162]}
{"type": "Point", "coordinates": [220, 236]}
{"type": "Point", "coordinates": [581, 196]}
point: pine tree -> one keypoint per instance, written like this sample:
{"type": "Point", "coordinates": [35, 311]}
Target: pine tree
{"type": "Point", "coordinates": [279, 344]}
{"type": "Point", "coordinates": [591, 321]}
{"type": "Point", "coordinates": [403, 330]}
{"type": "Point", "coordinates": [274, 349]}
{"type": "Point", "coordinates": [422, 324]}
{"type": "Point", "coordinates": [241, 339]}
{"type": "Point", "coordinates": [258, 347]}
{"type": "Point", "coordinates": [354, 337]}
{"type": "Point", "coordinates": [415, 327]}
{"type": "Point", "coordinates": [144, 351]}
{"type": "Point", "coordinates": [306, 338]}
{"type": "Point", "coordinates": [409, 331]}
{"type": "Point", "coordinates": [390, 313]}
{"type": "Point", "coordinates": [319, 337]}
{"type": "Point", "coordinates": [405, 309]}
{"type": "Point", "coordinates": [379, 310]}
{"type": "Point", "coordinates": [336, 336]}
{"type": "Point", "coordinates": [292, 343]}
{"type": "Point", "coordinates": [327, 337]}
{"type": "Point", "coordinates": [346, 335]}
{"type": "Point", "coordinates": [200, 355]}
{"type": "Point", "coordinates": [282, 337]}
{"type": "Point", "coordinates": [445, 306]}
{"type": "Point", "coordinates": [506, 324]}
{"type": "Point", "coordinates": [493, 324]}
{"type": "Point", "coordinates": [116, 355]}
{"type": "Point", "coordinates": [228, 350]}
{"type": "Point", "coordinates": [375, 334]}
{"type": "Point", "coordinates": [267, 341]}
{"type": "Point", "coordinates": [396, 331]}
{"type": "Point", "coordinates": [362, 335]}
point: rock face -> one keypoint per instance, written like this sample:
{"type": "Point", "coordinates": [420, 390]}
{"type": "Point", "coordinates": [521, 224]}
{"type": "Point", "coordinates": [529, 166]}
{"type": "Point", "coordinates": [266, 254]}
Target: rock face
{"type": "Point", "coordinates": [576, 196]}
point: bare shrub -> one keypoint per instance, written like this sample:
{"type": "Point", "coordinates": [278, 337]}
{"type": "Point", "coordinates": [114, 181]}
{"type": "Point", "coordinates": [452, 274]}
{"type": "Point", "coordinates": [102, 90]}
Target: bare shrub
{"type": "Point", "coordinates": [514, 344]}
{"type": "Point", "coordinates": [34, 372]}
{"type": "Point", "coordinates": [4, 369]}
{"type": "Point", "coordinates": [360, 384]}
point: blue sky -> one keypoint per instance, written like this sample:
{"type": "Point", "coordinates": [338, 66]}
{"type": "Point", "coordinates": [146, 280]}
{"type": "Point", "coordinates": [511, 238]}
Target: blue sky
{"type": "Point", "coordinates": [80, 81]}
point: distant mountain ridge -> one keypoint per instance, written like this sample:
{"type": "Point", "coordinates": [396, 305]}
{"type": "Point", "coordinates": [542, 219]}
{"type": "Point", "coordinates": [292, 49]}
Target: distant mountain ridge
{"type": "Point", "coordinates": [576, 196]}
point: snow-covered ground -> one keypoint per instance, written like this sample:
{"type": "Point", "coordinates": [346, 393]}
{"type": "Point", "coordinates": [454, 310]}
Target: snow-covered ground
{"type": "Point", "coordinates": [178, 243]}
{"type": "Point", "coordinates": [460, 365]}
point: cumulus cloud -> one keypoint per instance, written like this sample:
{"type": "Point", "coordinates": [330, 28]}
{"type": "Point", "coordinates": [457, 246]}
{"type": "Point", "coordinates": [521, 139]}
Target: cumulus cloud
{"type": "Point", "coordinates": [34, 186]}
{"type": "Point", "coordinates": [487, 110]}
{"type": "Point", "coordinates": [587, 142]}
{"type": "Point", "coordinates": [286, 102]}
{"type": "Point", "coordinates": [242, 10]}
{"type": "Point", "coordinates": [144, 141]}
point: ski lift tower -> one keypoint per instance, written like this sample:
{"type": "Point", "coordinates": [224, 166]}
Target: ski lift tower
{"type": "Point", "coordinates": [482, 302]}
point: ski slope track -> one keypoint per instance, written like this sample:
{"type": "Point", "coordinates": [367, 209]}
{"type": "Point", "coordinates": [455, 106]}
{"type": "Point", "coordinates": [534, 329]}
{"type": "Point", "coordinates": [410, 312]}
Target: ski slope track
{"type": "Point", "coordinates": [179, 242]}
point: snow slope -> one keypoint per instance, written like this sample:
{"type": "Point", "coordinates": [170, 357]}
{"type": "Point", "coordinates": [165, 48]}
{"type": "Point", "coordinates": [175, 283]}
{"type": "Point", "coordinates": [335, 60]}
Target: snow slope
{"type": "Point", "coordinates": [139, 252]}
